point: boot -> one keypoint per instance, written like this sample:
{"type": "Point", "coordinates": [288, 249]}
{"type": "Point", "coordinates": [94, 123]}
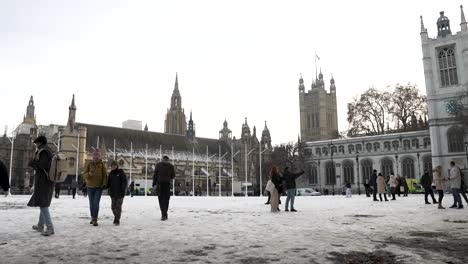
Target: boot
{"type": "Point", "coordinates": [440, 207]}
{"type": "Point", "coordinates": [293, 210]}
{"type": "Point", "coordinates": [94, 221]}
{"type": "Point", "coordinates": [39, 228]}
{"type": "Point", "coordinates": [48, 232]}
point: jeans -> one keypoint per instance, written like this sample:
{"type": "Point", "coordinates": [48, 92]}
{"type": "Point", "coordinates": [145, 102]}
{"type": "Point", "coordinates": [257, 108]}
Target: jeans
{"type": "Point", "coordinates": [164, 197]}
{"type": "Point", "coordinates": [291, 197]}
{"type": "Point", "coordinates": [44, 218]}
{"type": "Point", "coordinates": [428, 191]}
{"type": "Point", "coordinates": [94, 194]}
{"type": "Point", "coordinates": [456, 197]}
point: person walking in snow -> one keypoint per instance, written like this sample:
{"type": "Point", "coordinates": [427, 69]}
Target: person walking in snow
{"type": "Point", "coordinates": [381, 187]}
{"type": "Point", "coordinates": [404, 184]}
{"type": "Point", "coordinates": [455, 185]}
{"type": "Point", "coordinates": [95, 176]}
{"type": "Point", "coordinates": [163, 174]}
{"type": "Point", "coordinates": [57, 189]}
{"type": "Point", "coordinates": [438, 180]}
{"type": "Point", "coordinates": [131, 188]}
{"type": "Point", "coordinates": [275, 180]}
{"type": "Point", "coordinates": [43, 188]}
{"type": "Point", "coordinates": [348, 190]}
{"type": "Point", "coordinates": [426, 182]}
{"type": "Point", "coordinates": [117, 184]}
{"type": "Point", "coordinates": [398, 185]}
{"type": "Point", "coordinates": [393, 185]}
{"type": "Point", "coordinates": [290, 185]}
{"type": "Point", "coordinates": [373, 184]}
{"type": "Point", "coordinates": [4, 178]}
{"type": "Point", "coordinates": [73, 186]}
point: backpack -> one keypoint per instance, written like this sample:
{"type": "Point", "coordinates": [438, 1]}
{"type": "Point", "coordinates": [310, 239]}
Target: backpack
{"type": "Point", "coordinates": [58, 168]}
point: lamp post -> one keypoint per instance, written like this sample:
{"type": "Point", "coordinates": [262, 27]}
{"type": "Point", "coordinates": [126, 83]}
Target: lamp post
{"type": "Point", "coordinates": [466, 151]}
{"type": "Point", "coordinates": [77, 148]}
{"type": "Point", "coordinates": [396, 158]}
{"type": "Point", "coordinates": [260, 153]}
{"type": "Point", "coordinates": [246, 158]}
{"type": "Point", "coordinates": [333, 167]}
{"type": "Point", "coordinates": [358, 176]}
{"type": "Point", "coordinates": [232, 167]}
{"type": "Point", "coordinates": [419, 167]}
{"type": "Point", "coordinates": [12, 141]}
{"type": "Point", "coordinates": [219, 165]}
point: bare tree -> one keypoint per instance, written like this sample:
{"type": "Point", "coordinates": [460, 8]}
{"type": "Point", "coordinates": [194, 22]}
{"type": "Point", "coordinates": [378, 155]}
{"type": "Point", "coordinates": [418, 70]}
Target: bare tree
{"type": "Point", "coordinates": [369, 112]}
{"type": "Point", "coordinates": [406, 101]}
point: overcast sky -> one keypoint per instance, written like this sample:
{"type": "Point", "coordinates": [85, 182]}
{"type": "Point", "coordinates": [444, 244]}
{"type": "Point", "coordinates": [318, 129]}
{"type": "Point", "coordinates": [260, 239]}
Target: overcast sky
{"type": "Point", "coordinates": [235, 59]}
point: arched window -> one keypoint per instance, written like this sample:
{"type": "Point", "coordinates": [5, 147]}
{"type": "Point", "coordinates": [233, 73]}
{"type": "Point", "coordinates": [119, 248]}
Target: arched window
{"type": "Point", "coordinates": [427, 142]}
{"type": "Point", "coordinates": [427, 164]}
{"type": "Point", "coordinates": [330, 173]}
{"type": "Point", "coordinates": [325, 151]}
{"type": "Point", "coordinates": [350, 149]}
{"type": "Point", "coordinates": [366, 169]}
{"type": "Point", "coordinates": [376, 146]}
{"type": "Point", "coordinates": [406, 144]}
{"type": "Point", "coordinates": [369, 147]}
{"type": "Point", "coordinates": [455, 139]}
{"type": "Point", "coordinates": [71, 162]}
{"type": "Point", "coordinates": [313, 179]}
{"type": "Point", "coordinates": [318, 152]}
{"type": "Point", "coordinates": [359, 147]}
{"type": "Point", "coordinates": [395, 144]}
{"type": "Point", "coordinates": [415, 143]}
{"type": "Point", "coordinates": [341, 149]}
{"type": "Point", "coordinates": [387, 167]}
{"type": "Point", "coordinates": [333, 150]}
{"type": "Point", "coordinates": [348, 171]}
{"type": "Point", "coordinates": [387, 146]}
{"type": "Point", "coordinates": [447, 67]}
{"type": "Point", "coordinates": [408, 167]}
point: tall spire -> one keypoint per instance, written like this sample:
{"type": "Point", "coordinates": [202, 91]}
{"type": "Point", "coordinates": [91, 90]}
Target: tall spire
{"type": "Point", "coordinates": [463, 24]}
{"type": "Point", "coordinates": [73, 106]}
{"type": "Point", "coordinates": [71, 115]}
{"type": "Point", "coordinates": [423, 29]}
{"type": "Point", "coordinates": [463, 20]}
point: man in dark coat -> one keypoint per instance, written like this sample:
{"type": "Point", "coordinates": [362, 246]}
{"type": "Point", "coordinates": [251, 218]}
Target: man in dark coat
{"type": "Point", "coordinates": [131, 188]}
{"type": "Point", "coordinates": [163, 174]}
{"type": "Point", "coordinates": [4, 178]}
{"type": "Point", "coordinates": [278, 182]}
{"type": "Point", "coordinates": [373, 184]}
{"type": "Point", "coordinates": [290, 185]}
{"type": "Point", "coordinates": [43, 188]}
{"type": "Point", "coordinates": [117, 184]}
{"type": "Point", "coordinates": [426, 182]}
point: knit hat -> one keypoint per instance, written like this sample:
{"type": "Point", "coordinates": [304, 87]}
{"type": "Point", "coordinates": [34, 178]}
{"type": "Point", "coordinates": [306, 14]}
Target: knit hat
{"type": "Point", "coordinates": [114, 163]}
{"type": "Point", "coordinates": [96, 154]}
{"type": "Point", "coordinates": [41, 139]}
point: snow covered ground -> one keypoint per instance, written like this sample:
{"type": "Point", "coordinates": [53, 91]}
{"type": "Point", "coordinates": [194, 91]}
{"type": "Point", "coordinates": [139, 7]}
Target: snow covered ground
{"type": "Point", "coordinates": [238, 230]}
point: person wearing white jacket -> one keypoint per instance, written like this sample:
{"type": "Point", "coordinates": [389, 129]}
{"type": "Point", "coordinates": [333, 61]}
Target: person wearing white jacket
{"type": "Point", "coordinates": [455, 184]}
{"type": "Point", "coordinates": [393, 185]}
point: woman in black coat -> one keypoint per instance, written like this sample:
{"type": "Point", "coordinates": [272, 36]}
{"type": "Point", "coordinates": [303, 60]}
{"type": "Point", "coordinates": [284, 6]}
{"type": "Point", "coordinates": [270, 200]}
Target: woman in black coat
{"type": "Point", "coordinates": [117, 184]}
{"type": "Point", "coordinates": [43, 188]}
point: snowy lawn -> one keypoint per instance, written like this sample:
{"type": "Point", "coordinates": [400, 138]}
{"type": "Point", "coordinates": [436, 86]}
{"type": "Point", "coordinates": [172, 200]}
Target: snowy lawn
{"type": "Point", "coordinates": [238, 230]}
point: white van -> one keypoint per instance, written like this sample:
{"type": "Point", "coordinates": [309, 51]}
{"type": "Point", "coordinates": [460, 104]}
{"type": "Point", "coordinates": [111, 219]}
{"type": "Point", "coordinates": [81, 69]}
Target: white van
{"type": "Point", "coordinates": [307, 192]}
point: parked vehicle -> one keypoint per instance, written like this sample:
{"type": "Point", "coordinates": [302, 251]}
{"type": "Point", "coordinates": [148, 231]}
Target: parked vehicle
{"type": "Point", "coordinates": [307, 192]}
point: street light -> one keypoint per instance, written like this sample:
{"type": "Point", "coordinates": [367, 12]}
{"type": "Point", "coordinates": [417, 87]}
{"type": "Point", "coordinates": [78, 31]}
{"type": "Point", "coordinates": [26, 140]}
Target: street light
{"type": "Point", "coordinates": [333, 167]}
{"type": "Point", "coordinates": [232, 167]}
{"type": "Point", "coordinates": [219, 164]}
{"type": "Point", "coordinates": [12, 141]}
{"type": "Point", "coordinates": [396, 158]}
{"type": "Point", "coordinates": [466, 151]}
{"type": "Point", "coordinates": [419, 167]}
{"type": "Point", "coordinates": [260, 153]}
{"type": "Point", "coordinates": [246, 157]}
{"type": "Point", "coordinates": [358, 176]}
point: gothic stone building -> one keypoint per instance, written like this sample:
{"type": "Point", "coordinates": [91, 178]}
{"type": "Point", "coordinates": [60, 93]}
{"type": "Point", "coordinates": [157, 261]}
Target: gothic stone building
{"type": "Point", "coordinates": [445, 60]}
{"type": "Point", "coordinates": [318, 111]}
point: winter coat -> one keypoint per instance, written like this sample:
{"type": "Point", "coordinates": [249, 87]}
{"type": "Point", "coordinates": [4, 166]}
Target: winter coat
{"type": "Point", "coordinates": [43, 188]}
{"type": "Point", "coordinates": [117, 183]}
{"type": "Point", "coordinates": [438, 180]}
{"type": "Point", "coordinates": [74, 184]}
{"type": "Point", "coordinates": [290, 179]}
{"type": "Point", "coordinates": [278, 182]}
{"type": "Point", "coordinates": [163, 173]}
{"type": "Point", "coordinates": [4, 178]}
{"type": "Point", "coordinates": [270, 186]}
{"type": "Point", "coordinates": [393, 181]}
{"type": "Point", "coordinates": [426, 180]}
{"type": "Point", "coordinates": [381, 184]}
{"type": "Point", "coordinates": [455, 179]}
{"type": "Point", "coordinates": [373, 180]}
{"type": "Point", "coordinates": [99, 174]}
{"type": "Point", "coordinates": [404, 183]}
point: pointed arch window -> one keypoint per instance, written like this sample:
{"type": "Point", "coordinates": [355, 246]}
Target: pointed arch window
{"type": "Point", "coordinates": [330, 173]}
{"type": "Point", "coordinates": [408, 167]}
{"type": "Point", "coordinates": [455, 139]}
{"type": "Point", "coordinates": [387, 167]}
{"type": "Point", "coordinates": [366, 169]}
{"type": "Point", "coordinates": [348, 171]}
{"type": "Point", "coordinates": [313, 179]}
{"type": "Point", "coordinates": [447, 66]}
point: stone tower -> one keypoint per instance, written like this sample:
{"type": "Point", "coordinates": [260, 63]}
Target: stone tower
{"type": "Point", "coordinates": [175, 122]}
{"type": "Point", "coordinates": [191, 128]}
{"type": "Point", "coordinates": [225, 133]}
{"type": "Point", "coordinates": [30, 117]}
{"type": "Point", "coordinates": [318, 111]}
{"type": "Point", "coordinates": [445, 63]}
